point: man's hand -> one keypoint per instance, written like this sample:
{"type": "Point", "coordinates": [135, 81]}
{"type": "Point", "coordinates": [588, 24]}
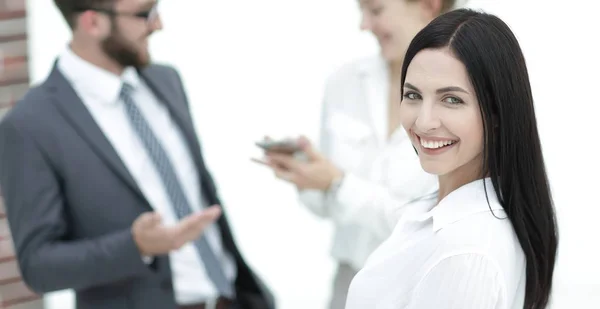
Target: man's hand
{"type": "Point", "coordinates": [153, 238]}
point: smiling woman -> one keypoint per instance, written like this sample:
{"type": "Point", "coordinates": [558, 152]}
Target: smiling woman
{"type": "Point", "coordinates": [441, 114]}
{"type": "Point", "coordinates": [468, 109]}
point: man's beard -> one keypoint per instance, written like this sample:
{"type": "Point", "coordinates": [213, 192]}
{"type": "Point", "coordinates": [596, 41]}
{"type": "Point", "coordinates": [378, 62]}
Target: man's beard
{"type": "Point", "coordinates": [123, 51]}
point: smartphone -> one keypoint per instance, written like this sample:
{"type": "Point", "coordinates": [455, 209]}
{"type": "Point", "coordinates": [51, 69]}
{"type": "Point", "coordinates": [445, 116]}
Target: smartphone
{"type": "Point", "coordinates": [286, 146]}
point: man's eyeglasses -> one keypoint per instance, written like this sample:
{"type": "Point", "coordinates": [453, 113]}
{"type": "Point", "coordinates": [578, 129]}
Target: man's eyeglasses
{"type": "Point", "coordinates": [149, 15]}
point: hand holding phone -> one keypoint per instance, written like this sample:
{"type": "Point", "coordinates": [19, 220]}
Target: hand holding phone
{"type": "Point", "coordinates": [285, 146]}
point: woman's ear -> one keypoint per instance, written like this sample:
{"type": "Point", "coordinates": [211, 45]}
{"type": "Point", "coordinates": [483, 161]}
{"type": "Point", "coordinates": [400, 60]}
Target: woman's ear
{"type": "Point", "coordinates": [431, 8]}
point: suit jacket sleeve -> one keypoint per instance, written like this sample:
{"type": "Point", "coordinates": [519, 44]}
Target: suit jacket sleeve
{"type": "Point", "coordinates": [36, 214]}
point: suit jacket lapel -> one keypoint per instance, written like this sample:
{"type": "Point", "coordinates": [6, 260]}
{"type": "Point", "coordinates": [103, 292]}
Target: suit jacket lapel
{"type": "Point", "coordinates": [70, 105]}
{"type": "Point", "coordinates": [169, 92]}
{"type": "Point", "coordinates": [169, 96]}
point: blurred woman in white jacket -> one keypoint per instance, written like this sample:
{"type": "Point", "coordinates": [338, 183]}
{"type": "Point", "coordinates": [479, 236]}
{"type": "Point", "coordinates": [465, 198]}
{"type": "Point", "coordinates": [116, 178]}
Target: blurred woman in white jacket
{"type": "Point", "coordinates": [365, 171]}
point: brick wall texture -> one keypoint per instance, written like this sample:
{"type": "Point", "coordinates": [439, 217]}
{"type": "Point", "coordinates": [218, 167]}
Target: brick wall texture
{"type": "Point", "coordinates": [14, 82]}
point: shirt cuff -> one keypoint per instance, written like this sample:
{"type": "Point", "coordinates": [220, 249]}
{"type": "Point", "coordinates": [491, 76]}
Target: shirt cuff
{"type": "Point", "coordinates": [348, 192]}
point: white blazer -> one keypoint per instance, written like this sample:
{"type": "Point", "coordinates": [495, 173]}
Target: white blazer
{"type": "Point", "coordinates": [383, 176]}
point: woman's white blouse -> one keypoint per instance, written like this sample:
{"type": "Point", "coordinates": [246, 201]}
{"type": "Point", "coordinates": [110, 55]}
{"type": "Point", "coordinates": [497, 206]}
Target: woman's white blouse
{"type": "Point", "coordinates": [461, 254]}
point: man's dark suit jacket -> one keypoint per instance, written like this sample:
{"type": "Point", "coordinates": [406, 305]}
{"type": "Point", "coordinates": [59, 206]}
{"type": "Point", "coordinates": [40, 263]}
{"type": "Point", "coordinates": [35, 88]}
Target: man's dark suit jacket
{"type": "Point", "coordinates": [70, 201]}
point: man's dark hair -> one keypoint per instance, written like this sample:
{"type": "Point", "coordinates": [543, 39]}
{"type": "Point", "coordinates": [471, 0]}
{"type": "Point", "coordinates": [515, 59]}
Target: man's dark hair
{"type": "Point", "coordinates": [71, 8]}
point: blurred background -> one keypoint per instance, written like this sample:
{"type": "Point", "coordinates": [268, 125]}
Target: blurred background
{"type": "Point", "coordinates": [266, 62]}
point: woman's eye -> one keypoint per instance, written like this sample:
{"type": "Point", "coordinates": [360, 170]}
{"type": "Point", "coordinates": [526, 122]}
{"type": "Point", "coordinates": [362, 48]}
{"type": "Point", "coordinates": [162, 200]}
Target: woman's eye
{"type": "Point", "coordinates": [377, 10]}
{"type": "Point", "coordinates": [453, 100]}
{"type": "Point", "coordinates": [412, 96]}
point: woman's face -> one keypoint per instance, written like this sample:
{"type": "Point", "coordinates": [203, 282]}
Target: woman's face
{"type": "Point", "coordinates": [440, 112]}
{"type": "Point", "coordinates": [394, 23]}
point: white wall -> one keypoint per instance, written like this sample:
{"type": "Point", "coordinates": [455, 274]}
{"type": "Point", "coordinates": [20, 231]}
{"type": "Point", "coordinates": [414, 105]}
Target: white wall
{"type": "Point", "coordinates": [257, 67]}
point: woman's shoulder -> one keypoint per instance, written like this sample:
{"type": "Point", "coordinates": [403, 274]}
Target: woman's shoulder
{"type": "Point", "coordinates": [472, 218]}
{"type": "Point", "coordinates": [486, 233]}
{"type": "Point", "coordinates": [485, 224]}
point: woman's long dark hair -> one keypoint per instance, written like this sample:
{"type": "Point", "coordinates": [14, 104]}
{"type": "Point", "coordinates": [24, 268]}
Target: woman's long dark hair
{"type": "Point", "coordinates": [513, 154]}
